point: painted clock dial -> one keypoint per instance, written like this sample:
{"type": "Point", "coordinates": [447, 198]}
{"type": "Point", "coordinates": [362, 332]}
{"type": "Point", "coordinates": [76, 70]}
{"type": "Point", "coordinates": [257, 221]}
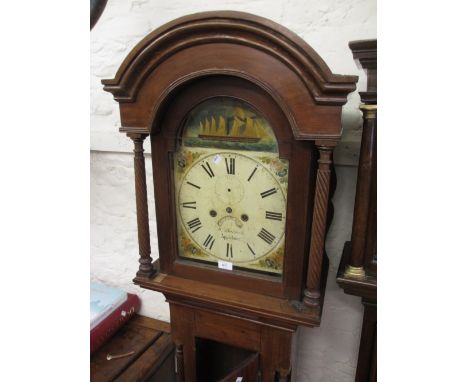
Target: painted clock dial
{"type": "Point", "coordinates": [231, 188]}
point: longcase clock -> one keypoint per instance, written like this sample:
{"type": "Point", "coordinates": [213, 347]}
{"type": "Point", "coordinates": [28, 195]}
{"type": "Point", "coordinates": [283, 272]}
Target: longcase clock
{"type": "Point", "coordinates": [243, 117]}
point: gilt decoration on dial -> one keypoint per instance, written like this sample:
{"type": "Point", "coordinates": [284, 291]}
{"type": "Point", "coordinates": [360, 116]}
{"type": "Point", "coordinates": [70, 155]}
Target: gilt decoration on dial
{"type": "Point", "coordinates": [231, 188]}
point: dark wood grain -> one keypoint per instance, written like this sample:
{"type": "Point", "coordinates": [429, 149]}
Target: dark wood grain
{"type": "Point", "coordinates": [232, 44]}
{"type": "Point", "coordinates": [256, 306]}
{"type": "Point", "coordinates": [255, 60]}
{"type": "Point", "coordinates": [146, 266]}
{"type": "Point", "coordinates": [298, 219]}
{"type": "Point", "coordinates": [273, 344]}
{"type": "Point", "coordinates": [218, 362]}
{"type": "Point", "coordinates": [96, 9]}
{"type": "Point", "coordinates": [364, 198]}
{"type": "Point", "coordinates": [366, 370]}
{"type": "Point", "coordinates": [247, 370]}
{"type": "Point", "coordinates": [312, 293]}
{"type": "Point", "coordinates": [357, 274]}
{"type": "Point", "coordinates": [365, 53]}
{"type": "Point", "coordinates": [157, 359]}
{"type": "Point", "coordinates": [365, 287]}
{"type": "Point", "coordinates": [152, 357]}
{"type": "Point", "coordinates": [180, 363]}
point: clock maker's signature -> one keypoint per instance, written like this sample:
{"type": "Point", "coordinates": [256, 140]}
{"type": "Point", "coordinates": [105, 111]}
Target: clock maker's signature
{"type": "Point", "coordinates": [228, 225]}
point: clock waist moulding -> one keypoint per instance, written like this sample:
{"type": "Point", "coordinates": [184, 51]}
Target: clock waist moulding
{"type": "Point", "coordinates": [243, 117]}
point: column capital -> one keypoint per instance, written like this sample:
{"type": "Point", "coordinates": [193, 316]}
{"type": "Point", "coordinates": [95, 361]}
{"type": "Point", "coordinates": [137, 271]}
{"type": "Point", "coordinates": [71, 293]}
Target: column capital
{"type": "Point", "coordinates": [369, 111]}
{"type": "Point", "coordinates": [136, 136]}
{"type": "Point", "coordinates": [325, 145]}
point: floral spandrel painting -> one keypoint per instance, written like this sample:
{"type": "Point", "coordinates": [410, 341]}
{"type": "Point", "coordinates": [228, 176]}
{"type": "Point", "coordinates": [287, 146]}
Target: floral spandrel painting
{"type": "Point", "coordinates": [227, 123]}
{"type": "Point", "coordinates": [231, 188]}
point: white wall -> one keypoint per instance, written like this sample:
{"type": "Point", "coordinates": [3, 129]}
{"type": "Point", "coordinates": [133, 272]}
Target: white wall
{"type": "Point", "coordinates": [324, 354]}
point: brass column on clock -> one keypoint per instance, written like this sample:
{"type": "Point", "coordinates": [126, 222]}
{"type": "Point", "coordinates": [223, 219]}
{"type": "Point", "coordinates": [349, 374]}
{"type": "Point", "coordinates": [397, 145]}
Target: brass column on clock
{"type": "Point", "coordinates": [242, 116]}
{"type": "Point", "coordinates": [357, 274]}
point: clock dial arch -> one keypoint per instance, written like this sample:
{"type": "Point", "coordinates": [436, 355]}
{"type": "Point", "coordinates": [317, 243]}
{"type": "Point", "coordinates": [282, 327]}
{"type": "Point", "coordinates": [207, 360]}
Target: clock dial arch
{"type": "Point", "coordinates": [166, 149]}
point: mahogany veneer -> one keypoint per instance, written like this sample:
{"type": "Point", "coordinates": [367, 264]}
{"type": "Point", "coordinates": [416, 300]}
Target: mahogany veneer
{"type": "Point", "coordinates": [262, 63]}
{"type": "Point", "coordinates": [357, 274]}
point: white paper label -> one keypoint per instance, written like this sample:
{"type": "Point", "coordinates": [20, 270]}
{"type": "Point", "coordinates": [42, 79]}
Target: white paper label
{"type": "Point", "coordinates": [216, 159]}
{"type": "Point", "coordinates": [225, 265]}
{"type": "Point", "coordinates": [239, 379]}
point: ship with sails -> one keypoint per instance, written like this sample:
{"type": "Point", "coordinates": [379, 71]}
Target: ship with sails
{"type": "Point", "coordinates": [238, 128]}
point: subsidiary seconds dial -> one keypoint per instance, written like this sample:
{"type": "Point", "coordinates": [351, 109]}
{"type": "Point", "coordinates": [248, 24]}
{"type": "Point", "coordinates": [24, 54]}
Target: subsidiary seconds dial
{"type": "Point", "coordinates": [232, 207]}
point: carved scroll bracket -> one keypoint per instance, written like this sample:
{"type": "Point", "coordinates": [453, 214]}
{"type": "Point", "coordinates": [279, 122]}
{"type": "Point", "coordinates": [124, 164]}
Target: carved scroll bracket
{"type": "Point", "coordinates": [312, 294]}
{"type": "Point", "coordinates": [146, 262]}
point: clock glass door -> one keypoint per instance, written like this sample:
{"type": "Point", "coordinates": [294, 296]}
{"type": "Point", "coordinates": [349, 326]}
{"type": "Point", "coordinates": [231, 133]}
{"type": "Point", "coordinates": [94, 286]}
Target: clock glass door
{"type": "Point", "coordinates": [231, 188]}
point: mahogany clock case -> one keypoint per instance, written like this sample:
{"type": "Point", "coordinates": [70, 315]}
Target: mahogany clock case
{"type": "Point", "coordinates": [299, 155]}
{"type": "Point", "coordinates": [262, 64]}
{"type": "Point", "coordinates": [254, 60]}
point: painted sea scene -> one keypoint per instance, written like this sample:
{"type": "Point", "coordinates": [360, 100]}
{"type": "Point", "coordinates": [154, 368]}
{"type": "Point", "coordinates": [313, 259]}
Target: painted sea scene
{"type": "Point", "coordinates": [228, 123]}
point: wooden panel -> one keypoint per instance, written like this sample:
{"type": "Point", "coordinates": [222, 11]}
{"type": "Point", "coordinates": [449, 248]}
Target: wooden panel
{"type": "Point", "coordinates": [228, 330]}
{"type": "Point", "coordinates": [299, 155]}
{"type": "Point", "coordinates": [232, 44]}
{"type": "Point", "coordinates": [149, 365]}
{"type": "Point", "coordinates": [150, 323]}
{"type": "Point", "coordinates": [127, 339]}
{"type": "Point", "coordinates": [366, 288]}
{"type": "Point", "coordinates": [251, 305]}
{"type": "Point", "coordinates": [220, 362]}
{"type": "Point", "coordinates": [310, 121]}
{"type": "Point", "coordinates": [247, 370]}
{"type": "Point", "coordinates": [182, 333]}
{"type": "Point", "coordinates": [276, 354]}
{"type": "Point", "coordinates": [278, 73]}
{"type": "Point", "coordinates": [366, 370]}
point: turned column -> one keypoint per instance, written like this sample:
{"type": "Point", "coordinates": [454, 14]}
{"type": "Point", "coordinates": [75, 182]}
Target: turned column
{"type": "Point", "coordinates": [312, 294]}
{"type": "Point", "coordinates": [355, 269]}
{"type": "Point", "coordinates": [146, 262]}
{"type": "Point", "coordinates": [180, 363]}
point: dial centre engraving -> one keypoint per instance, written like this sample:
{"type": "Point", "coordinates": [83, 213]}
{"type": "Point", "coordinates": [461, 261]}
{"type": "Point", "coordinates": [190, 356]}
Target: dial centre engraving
{"type": "Point", "coordinates": [231, 228]}
{"type": "Point", "coordinates": [229, 189]}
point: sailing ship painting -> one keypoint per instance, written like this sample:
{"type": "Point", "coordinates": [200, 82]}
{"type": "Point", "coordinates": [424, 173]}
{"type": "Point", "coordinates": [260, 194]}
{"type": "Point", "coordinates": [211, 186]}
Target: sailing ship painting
{"type": "Point", "coordinates": [228, 123]}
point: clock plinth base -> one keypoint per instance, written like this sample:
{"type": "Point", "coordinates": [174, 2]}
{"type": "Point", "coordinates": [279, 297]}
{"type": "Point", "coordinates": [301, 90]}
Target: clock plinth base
{"type": "Point", "coordinates": [262, 324]}
{"type": "Point", "coordinates": [269, 310]}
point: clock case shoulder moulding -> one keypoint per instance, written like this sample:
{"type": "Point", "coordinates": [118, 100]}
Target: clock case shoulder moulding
{"type": "Point", "coordinates": [238, 55]}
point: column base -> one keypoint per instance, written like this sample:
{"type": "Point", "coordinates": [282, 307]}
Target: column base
{"type": "Point", "coordinates": [355, 272]}
{"type": "Point", "coordinates": [147, 274]}
{"type": "Point", "coordinates": [312, 298]}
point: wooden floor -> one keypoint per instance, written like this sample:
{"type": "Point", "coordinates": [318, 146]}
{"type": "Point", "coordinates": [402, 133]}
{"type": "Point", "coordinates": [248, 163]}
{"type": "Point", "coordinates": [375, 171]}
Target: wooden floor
{"type": "Point", "coordinates": [152, 360]}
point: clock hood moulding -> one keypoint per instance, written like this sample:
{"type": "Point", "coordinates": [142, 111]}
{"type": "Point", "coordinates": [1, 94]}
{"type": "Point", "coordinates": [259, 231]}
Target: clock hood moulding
{"type": "Point", "coordinates": [231, 44]}
{"type": "Point", "coordinates": [199, 57]}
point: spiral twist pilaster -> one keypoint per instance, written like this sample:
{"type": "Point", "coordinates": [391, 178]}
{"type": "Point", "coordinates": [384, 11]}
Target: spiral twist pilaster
{"type": "Point", "coordinates": [312, 293]}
